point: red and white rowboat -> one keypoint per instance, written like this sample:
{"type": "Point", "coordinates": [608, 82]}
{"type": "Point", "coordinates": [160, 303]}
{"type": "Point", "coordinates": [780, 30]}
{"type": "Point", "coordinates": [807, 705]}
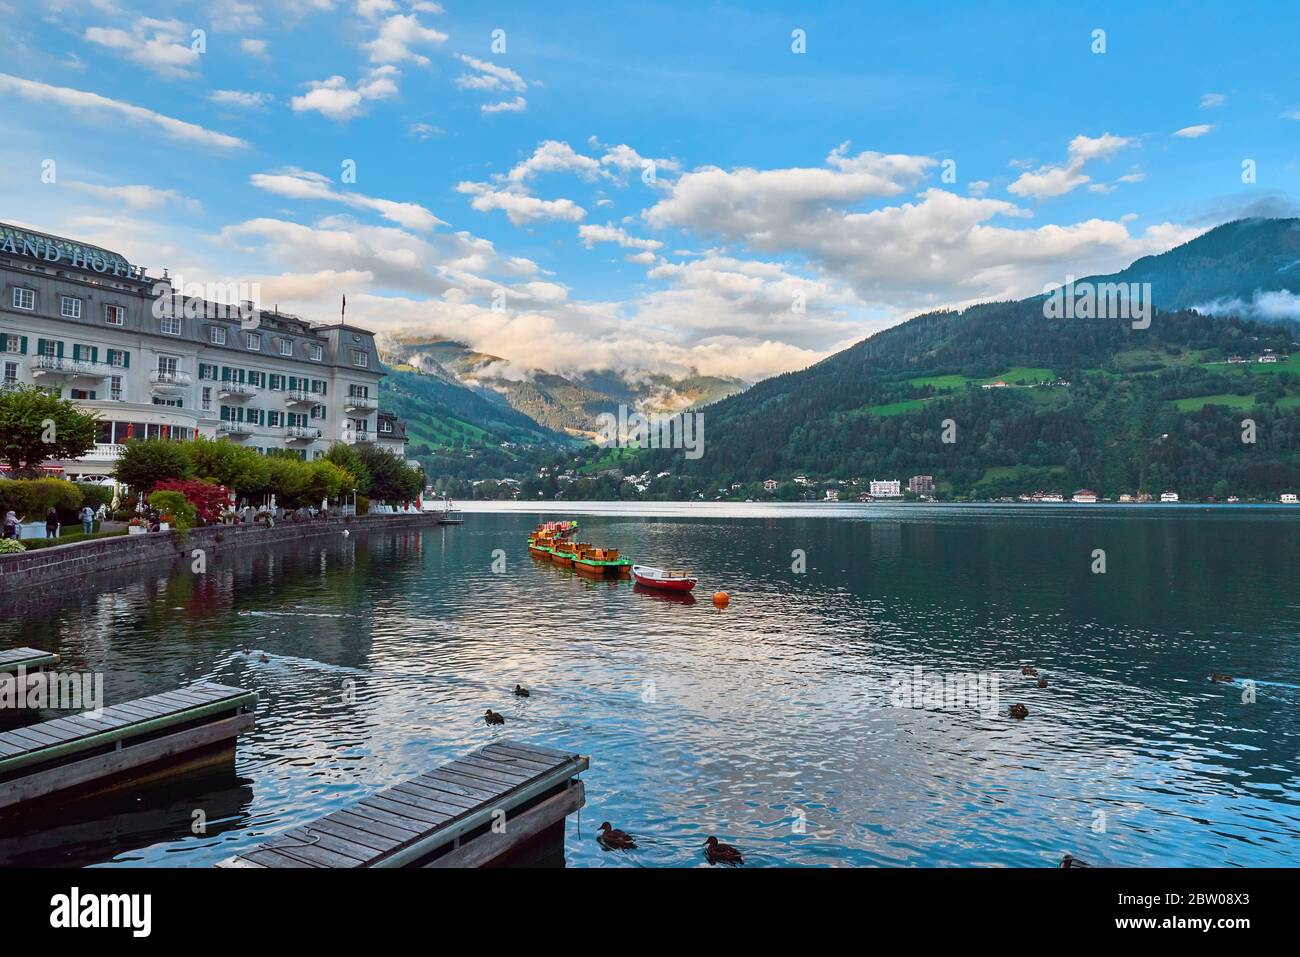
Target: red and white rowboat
{"type": "Point", "coordinates": [665, 578]}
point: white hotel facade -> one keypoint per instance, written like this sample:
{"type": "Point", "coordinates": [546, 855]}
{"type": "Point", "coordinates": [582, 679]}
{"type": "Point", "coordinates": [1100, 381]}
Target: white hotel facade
{"type": "Point", "coordinates": [84, 322]}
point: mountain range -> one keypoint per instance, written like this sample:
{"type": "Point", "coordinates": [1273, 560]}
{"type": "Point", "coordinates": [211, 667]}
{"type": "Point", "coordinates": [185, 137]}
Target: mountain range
{"type": "Point", "coordinates": [1028, 401]}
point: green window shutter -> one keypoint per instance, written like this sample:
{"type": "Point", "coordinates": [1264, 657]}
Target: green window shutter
{"type": "Point", "coordinates": [92, 395]}
{"type": "Point", "coordinates": [94, 353]}
{"type": "Point", "coordinates": [4, 342]}
{"type": "Point", "coordinates": [76, 352]}
{"type": "Point", "coordinates": [58, 348]}
{"type": "Point", "coordinates": [24, 345]}
{"type": "Point", "coordinates": [40, 347]}
{"type": "Point", "coordinates": [126, 360]}
{"type": "Point", "coordinates": [225, 413]}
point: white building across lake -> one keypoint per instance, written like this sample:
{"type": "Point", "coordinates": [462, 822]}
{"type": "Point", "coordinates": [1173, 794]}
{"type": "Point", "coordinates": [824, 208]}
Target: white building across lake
{"type": "Point", "coordinates": [86, 323]}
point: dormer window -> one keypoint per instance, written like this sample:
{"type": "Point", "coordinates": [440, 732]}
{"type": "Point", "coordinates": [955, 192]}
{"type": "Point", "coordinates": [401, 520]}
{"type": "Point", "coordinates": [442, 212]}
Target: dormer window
{"type": "Point", "coordinates": [286, 347]}
{"type": "Point", "coordinates": [360, 358]}
{"type": "Point", "coordinates": [315, 353]}
{"type": "Point", "coordinates": [253, 341]}
{"type": "Point", "coordinates": [217, 335]}
{"type": "Point", "coordinates": [24, 298]}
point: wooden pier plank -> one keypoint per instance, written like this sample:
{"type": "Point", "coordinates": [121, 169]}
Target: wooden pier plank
{"type": "Point", "coordinates": [405, 823]}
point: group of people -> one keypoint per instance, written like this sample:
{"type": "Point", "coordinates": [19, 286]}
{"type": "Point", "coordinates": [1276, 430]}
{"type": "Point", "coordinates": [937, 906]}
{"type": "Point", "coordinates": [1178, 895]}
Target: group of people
{"type": "Point", "coordinates": [13, 524]}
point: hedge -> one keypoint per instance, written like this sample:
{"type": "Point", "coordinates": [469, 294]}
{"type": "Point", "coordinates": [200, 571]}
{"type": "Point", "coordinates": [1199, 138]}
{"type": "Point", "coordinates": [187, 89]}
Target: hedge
{"type": "Point", "coordinates": [32, 498]}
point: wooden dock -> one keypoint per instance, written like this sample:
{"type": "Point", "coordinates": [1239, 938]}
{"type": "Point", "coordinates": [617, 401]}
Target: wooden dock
{"type": "Point", "coordinates": [505, 803]}
{"type": "Point", "coordinates": [29, 659]}
{"type": "Point", "coordinates": [191, 727]}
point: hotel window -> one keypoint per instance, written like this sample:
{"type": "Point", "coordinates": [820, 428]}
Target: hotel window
{"type": "Point", "coordinates": [277, 382]}
{"type": "Point", "coordinates": [273, 418]}
{"type": "Point", "coordinates": [318, 412]}
{"type": "Point", "coordinates": [11, 373]}
{"type": "Point", "coordinates": [286, 347]}
{"type": "Point", "coordinates": [114, 315]}
{"type": "Point", "coordinates": [253, 341]}
{"type": "Point", "coordinates": [315, 353]}
{"type": "Point", "coordinates": [385, 426]}
{"type": "Point", "coordinates": [360, 358]}
{"type": "Point", "coordinates": [257, 378]}
{"type": "Point", "coordinates": [70, 307]}
{"type": "Point", "coordinates": [15, 345]}
{"type": "Point", "coordinates": [24, 298]}
{"type": "Point", "coordinates": [115, 388]}
{"type": "Point", "coordinates": [171, 325]}
{"type": "Point", "coordinates": [207, 398]}
{"type": "Point", "coordinates": [318, 386]}
{"type": "Point", "coordinates": [83, 395]}
{"type": "Point", "coordinates": [168, 365]}
{"type": "Point", "coordinates": [217, 335]}
{"type": "Point", "coordinates": [120, 358]}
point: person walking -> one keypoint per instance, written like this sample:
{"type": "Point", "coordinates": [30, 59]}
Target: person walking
{"type": "Point", "coordinates": [52, 523]}
{"type": "Point", "coordinates": [87, 519]}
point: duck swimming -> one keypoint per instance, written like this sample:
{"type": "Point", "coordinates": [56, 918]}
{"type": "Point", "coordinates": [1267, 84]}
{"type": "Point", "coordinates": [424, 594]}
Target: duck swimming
{"type": "Point", "coordinates": [521, 692]}
{"type": "Point", "coordinates": [1042, 682]}
{"type": "Point", "coordinates": [1029, 670]}
{"type": "Point", "coordinates": [491, 717]}
{"type": "Point", "coordinates": [611, 838]}
{"type": "Point", "coordinates": [717, 853]}
{"type": "Point", "coordinates": [1217, 678]}
{"type": "Point", "coordinates": [1018, 711]}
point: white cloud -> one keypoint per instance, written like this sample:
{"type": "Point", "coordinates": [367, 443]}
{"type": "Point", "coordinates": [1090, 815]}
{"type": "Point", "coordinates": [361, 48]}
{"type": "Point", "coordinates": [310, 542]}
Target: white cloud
{"type": "Point", "coordinates": [423, 131]}
{"type": "Point", "coordinates": [517, 105]}
{"type": "Point", "coordinates": [1048, 181]}
{"type": "Point", "coordinates": [1291, 115]}
{"type": "Point", "coordinates": [397, 35]}
{"type": "Point", "coordinates": [302, 184]}
{"type": "Point", "coordinates": [253, 47]}
{"type": "Point", "coordinates": [139, 196]}
{"type": "Point", "coordinates": [103, 106]}
{"type": "Point", "coordinates": [519, 207]}
{"type": "Point", "coordinates": [1192, 132]}
{"type": "Point", "coordinates": [1210, 100]}
{"type": "Point", "coordinates": [552, 156]}
{"type": "Point", "coordinates": [248, 101]}
{"type": "Point", "coordinates": [609, 233]}
{"type": "Point", "coordinates": [489, 76]}
{"type": "Point", "coordinates": [333, 97]}
{"type": "Point", "coordinates": [162, 46]}
{"type": "Point", "coordinates": [373, 9]}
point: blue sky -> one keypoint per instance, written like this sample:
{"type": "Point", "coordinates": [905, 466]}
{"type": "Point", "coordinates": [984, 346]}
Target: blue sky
{"type": "Point", "coordinates": [913, 157]}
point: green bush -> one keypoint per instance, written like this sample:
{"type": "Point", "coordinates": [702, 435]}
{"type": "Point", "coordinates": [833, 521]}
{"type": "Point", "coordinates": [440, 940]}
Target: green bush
{"type": "Point", "coordinates": [176, 508]}
{"type": "Point", "coordinates": [10, 545]}
{"type": "Point", "coordinates": [95, 495]}
{"type": "Point", "coordinates": [34, 497]}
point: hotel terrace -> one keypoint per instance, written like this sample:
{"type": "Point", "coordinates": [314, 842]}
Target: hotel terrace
{"type": "Point", "coordinates": [84, 322]}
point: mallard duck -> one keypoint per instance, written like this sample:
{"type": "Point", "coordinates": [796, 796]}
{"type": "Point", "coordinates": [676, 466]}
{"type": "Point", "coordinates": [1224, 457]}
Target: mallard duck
{"type": "Point", "coordinates": [1071, 861]}
{"type": "Point", "coordinates": [491, 717]}
{"type": "Point", "coordinates": [1217, 678]}
{"type": "Point", "coordinates": [1042, 682]}
{"type": "Point", "coordinates": [248, 649]}
{"type": "Point", "coordinates": [1018, 711]}
{"type": "Point", "coordinates": [717, 853]}
{"type": "Point", "coordinates": [521, 692]}
{"type": "Point", "coordinates": [265, 658]}
{"type": "Point", "coordinates": [1029, 670]}
{"type": "Point", "coordinates": [612, 838]}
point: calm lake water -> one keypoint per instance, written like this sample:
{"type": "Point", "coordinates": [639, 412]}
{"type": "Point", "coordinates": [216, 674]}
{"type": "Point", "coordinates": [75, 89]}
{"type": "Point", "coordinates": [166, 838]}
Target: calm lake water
{"type": "Point", "coordinates": [770, 724]}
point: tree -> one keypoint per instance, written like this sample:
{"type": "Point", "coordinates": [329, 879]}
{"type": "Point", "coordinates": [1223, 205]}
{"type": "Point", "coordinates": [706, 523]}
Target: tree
{"type": "Point", "coordinates": [174, 508]}
{"type": "Point", "coordinates": [391, 479]}
{"type": "Point", "coordinates": [36, 424]}
{"type": "Point", "coordinates": [235, 466]}
{"type": "Point", "coordinates": [146, 462]}
{"type": "Point", "coordinates": [346, 457]}
{"type": "Point", "coordinates": [207, 499]}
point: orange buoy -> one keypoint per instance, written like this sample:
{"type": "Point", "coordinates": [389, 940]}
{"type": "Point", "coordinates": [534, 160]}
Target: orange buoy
{"type": "Point", "coordinates": [721, 599]}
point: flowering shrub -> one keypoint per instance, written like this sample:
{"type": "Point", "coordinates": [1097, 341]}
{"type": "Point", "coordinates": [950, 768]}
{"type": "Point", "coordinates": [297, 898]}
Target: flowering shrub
{"type": "Point", "coordinates": [206, 499]}
{"type": "Point", "coordinates": [173, 508]}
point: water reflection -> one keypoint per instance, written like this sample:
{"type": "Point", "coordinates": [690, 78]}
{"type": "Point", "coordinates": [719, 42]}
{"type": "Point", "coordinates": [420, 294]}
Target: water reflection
{"type": "Point", "coordinates": [769, 723]}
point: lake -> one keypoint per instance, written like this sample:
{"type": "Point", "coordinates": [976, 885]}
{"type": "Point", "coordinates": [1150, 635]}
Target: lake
{"type": "Point", "coordinates": [776, 723]}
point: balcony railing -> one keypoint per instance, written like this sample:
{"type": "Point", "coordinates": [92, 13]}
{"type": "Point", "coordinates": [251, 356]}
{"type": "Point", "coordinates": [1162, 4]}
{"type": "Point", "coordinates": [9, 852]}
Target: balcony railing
{"type": "Point", "coordinates": [302, 397]}
{"type": "Point", "coordinates": [301, 433]}
{"type": "Point", "coordinates": [354, 437]}
{"type": "Point", "coordinates": [103, 452]}
{"type": "Point", "coordinates": [170, 380]}
{"type": "Point", "coordinates": [237, 390]}
{"type": "Point", "coordinates": [360, 403]}
{"type": "Point", "coordinates": [234, 428]}
{"type": "Point", "coordinates": [43, 365]}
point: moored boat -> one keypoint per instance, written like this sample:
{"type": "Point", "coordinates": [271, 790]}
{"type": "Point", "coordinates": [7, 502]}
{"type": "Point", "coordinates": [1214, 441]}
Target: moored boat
{"type": "Point", "coordinates": [667, 579]}
{"type": "Point", "coordinates": [601, 562]}
{"type": "Point", "coordinates": [544, 539]}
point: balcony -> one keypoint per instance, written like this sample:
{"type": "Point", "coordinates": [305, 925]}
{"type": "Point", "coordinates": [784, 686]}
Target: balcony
{"type": "Point", "coordinates": [58, 367]}
{"type": "Point", "coordinates": [103, 452]}
{"type": "Point", "coordinates": [352, 437]}
{"type": "Point", "coordinates": [300, 433]}
{"type": "Point", "coordinates": [236, 390]}
{"type": "Point", "coordinates": [362, 404]}
{"type": "Point", "coordinates": [170, 381]}
{"type": "Point", "coordinates": [236, 430]}
{"type": "Point", "coordinates": [301, 397]}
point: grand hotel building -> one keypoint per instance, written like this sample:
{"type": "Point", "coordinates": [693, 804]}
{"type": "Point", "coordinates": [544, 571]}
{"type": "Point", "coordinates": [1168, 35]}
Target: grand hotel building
{"type": "Point", "coordinates": [86, 323]}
